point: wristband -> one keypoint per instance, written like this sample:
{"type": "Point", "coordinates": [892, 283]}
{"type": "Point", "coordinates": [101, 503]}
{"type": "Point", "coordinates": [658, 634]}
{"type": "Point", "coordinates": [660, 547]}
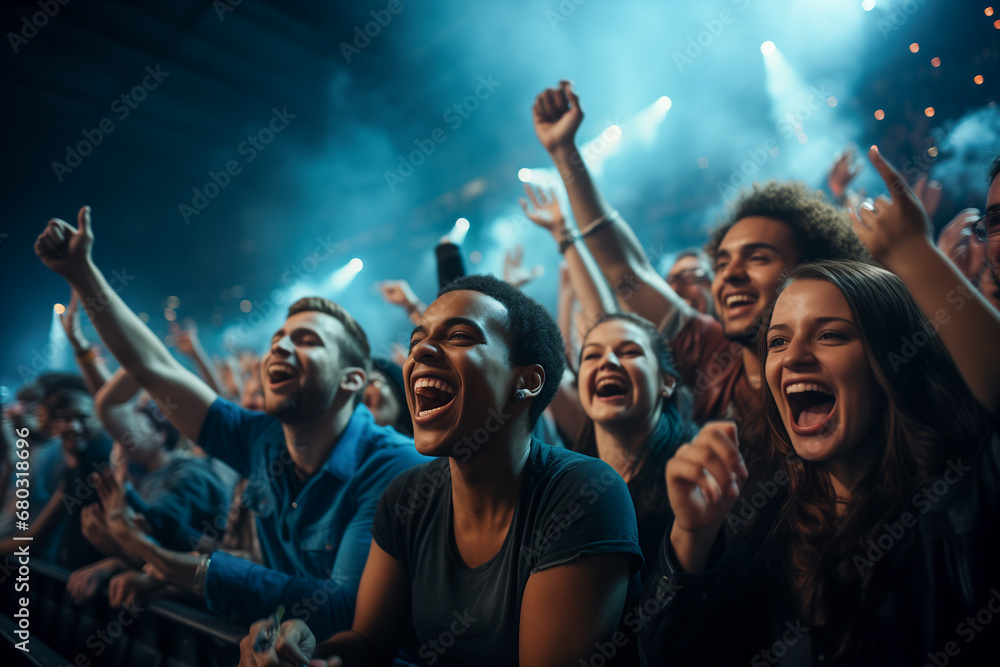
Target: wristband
{"type": "Point", "coordinates": [570, 236]}
{"type": "Point", "coordinates": [600, 222]}
{"type": "Point", "coordinates": [200, 575]}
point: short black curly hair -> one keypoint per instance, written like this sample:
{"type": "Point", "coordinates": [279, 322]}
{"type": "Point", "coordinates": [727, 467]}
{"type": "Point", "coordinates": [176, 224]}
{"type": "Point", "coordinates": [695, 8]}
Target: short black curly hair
{"type": "Point", "coordinates": [821, 230]}
{"type": "Point", "coordinates": [534, 335]}
{"type": "Point", "coordinates": [994, 169]}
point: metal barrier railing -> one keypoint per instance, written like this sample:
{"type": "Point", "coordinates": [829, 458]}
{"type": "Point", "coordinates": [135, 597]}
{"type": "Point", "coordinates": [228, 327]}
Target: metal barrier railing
{"type": "Point", "coordinates": [158, 633]}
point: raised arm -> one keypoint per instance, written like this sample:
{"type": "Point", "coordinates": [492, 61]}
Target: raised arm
{"type": "Point", "coordinates": [114, 405]}
{"type": "Point", "coordinates": [95, 371]}
{"type": "Point", "coordinates": [592, 291]}
{"type": "Point", "coordinates": [189, 345]}
{"type": "Point", "coordinates": [557, 115]}
{"type": "Point", "coordinates": [564, 315]}
{"type": "Point", "coordinates": [399, 293]}
{"type": "Point", "coordinates": [183, 397]}
{"type": "Point", "coordinates": [898, 235]}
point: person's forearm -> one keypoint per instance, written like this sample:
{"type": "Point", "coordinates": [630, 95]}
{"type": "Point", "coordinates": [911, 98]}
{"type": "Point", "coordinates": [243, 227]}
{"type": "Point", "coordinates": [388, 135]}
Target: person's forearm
{"type": "Point", "coordinates": [95, 372]}
{"type": "Point", "coordinates": [178, 567]}
{"type": "Point", "coordinates": [968, 325]}
{"type": "Point", "coordinates": [613, 245]}
{"type": "Point", "coordinates": [131, 342]}
{"type": "Point", "coordinates": [592, 291]}
{"type": "Point", "coordinates": [205, 368]}
{"type": "Point", "coordinates": [694, 549]}
{"type": "Point", "coordinates": [118, 390]}
{"type": "Point", "coordinates": [114, 408]}
{"type": "Point", "coordinates": [565, 317]}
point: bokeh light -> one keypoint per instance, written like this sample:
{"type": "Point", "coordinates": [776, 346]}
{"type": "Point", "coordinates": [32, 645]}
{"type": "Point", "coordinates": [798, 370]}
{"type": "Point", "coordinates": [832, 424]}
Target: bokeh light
{"type": "Point", "coordinates": [935, 62]}
{"type": "Point", "coordinates": [703, 162]}
{"type": "Point", "coordinates": [767, 48]}
{"type": "Point", "coordinates": [59, 308]}
{"type": "Point", "coordinates": [929, 111]}
{"type": "Point", "coordinates": [914, 47]}
{"type": "Point", "coordinates": [868, 5]}
{"type": "Point", "coordinates": [978, 79]}
{"type": "Point", "coordinates": [246, 306]}
{"type": "Point", "coordinates": [170, 314]}
{"type": "Point", "coordinates": [879, 115]}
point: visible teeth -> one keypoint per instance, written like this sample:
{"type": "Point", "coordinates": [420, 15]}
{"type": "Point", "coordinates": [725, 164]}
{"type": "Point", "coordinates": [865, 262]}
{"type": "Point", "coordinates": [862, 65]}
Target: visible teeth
{"type": "Point", "coordinates": [280, 372]}
{"type": "Point", "coordinates": [800, 387]}
{"type": "Point", "coordinates": [424, 413]}
{"type": "Point", "coordinates": [739, 298]}
{"type": "Point", "coordinates": [435, 383]}
{"type": "Point", "coordinates": [607, 381]}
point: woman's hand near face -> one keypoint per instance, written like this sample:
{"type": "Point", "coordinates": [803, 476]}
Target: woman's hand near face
{"type": "Point", "coordinates": [704, 479]}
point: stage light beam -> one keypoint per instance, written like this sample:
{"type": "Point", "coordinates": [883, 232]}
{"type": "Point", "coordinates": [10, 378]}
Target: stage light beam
{"type": "Point", "coordinates": [343, 276]}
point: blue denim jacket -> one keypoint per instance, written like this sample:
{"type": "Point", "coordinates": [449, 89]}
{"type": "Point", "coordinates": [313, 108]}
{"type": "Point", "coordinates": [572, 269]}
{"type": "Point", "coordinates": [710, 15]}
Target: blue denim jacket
{"type": "Point", "coordinates": [315, 543]}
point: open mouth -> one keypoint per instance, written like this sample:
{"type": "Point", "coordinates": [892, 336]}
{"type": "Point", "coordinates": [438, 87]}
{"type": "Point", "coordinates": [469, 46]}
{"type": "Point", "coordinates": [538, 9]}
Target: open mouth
{"type": "Point", "coordinates": [737, 301]}
{"type": "Point", "coordinates": [611, 389]}
{"type": "Point", "coordinates": [279, 375]}
{"type": "Point", "coordinates": [811, 405]}
{"type": "Point", "coordinates": [432, 396]}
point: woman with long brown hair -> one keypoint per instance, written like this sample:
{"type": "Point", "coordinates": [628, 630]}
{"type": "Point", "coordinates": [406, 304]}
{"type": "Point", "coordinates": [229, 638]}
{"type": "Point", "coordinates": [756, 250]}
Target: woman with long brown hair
{"type": "Point", "coordinates": [861, 504]}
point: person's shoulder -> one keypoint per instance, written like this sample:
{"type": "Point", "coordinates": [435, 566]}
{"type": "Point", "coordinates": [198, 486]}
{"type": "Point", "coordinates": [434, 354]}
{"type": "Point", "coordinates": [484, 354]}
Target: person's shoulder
{"type": "Point", "coordinates": [571, 470]}
{"type": "Point", "coordinates": [386, 446]}
{"type": "Point", "coordinates": [701, 326]}
{"type": "Point", "coordinates": [430, 477]}
{"type": "Point", "coordinates": [224, 414]}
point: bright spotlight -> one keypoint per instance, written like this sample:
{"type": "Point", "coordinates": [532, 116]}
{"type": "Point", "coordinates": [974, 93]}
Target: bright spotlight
{"type": "Point", "coordinates": [664, 103]}
{"type": "Point", "coordinates": [59, 308]}
{"type": "Point", "coordinates": [767, 48]}
{"type": "Point", "coordinates": [459, 230]}
{"type": "Point", "coordinates": [868, 5]}
{"type": "Point", "coordinates": [343, 276]}
{"type": "Point", "coordinates": [613, 133]}
{"type": "Point", "coordinates": [524, 175]}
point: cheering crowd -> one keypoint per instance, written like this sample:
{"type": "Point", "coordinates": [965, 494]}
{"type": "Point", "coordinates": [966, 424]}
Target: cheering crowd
{"type": "Point", "coordinates": [784, 451]}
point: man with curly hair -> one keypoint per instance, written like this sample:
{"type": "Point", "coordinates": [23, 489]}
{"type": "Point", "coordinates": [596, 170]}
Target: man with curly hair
{"type": "Point", "coordinates": [770, 229]}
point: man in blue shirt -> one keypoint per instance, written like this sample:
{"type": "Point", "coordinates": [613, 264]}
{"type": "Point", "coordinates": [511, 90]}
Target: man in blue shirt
{"type": "Point", "coordinates": [315, 460]}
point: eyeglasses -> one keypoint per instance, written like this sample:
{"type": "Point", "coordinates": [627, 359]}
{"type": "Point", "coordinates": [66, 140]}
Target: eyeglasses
{"type": "Point", "coordinates": [987, 226]}
{"type": "Point", "coordinates": [688, 277]}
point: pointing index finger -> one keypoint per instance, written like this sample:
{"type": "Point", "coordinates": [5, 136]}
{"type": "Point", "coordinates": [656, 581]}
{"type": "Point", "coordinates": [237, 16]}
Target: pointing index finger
{"type": "Point", "coordinates": [897, 186]}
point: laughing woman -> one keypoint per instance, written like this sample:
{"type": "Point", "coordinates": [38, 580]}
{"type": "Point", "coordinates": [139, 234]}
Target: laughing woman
{"type": "Point", "coordinates": [504, 550]}
{"type": "Point", "coordinates": [627, 385]}
{"type": "Point", "coordinates": [635, 416]}
{"type": "Point", "coordinates": [868, 530]}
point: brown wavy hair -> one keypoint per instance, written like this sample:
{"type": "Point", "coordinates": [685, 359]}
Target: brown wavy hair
{"type": "Point", "coordinates": [930, 417]}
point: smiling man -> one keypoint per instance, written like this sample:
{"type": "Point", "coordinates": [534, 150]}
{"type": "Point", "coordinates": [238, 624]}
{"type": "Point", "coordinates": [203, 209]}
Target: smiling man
{"type": "Point", "coordinates": [771, 228]}
{"type": "Point", "coordinates": [316, 461]}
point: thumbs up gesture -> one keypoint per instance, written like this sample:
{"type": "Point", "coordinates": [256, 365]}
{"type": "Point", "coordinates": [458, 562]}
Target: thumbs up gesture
{"type": "Point", "coordinates": [66, 249]}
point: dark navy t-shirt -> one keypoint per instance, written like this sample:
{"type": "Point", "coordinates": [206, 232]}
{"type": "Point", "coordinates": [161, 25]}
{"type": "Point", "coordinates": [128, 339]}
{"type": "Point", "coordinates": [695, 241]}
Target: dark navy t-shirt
{"type": "Point", "coordinates": [570, 505]}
